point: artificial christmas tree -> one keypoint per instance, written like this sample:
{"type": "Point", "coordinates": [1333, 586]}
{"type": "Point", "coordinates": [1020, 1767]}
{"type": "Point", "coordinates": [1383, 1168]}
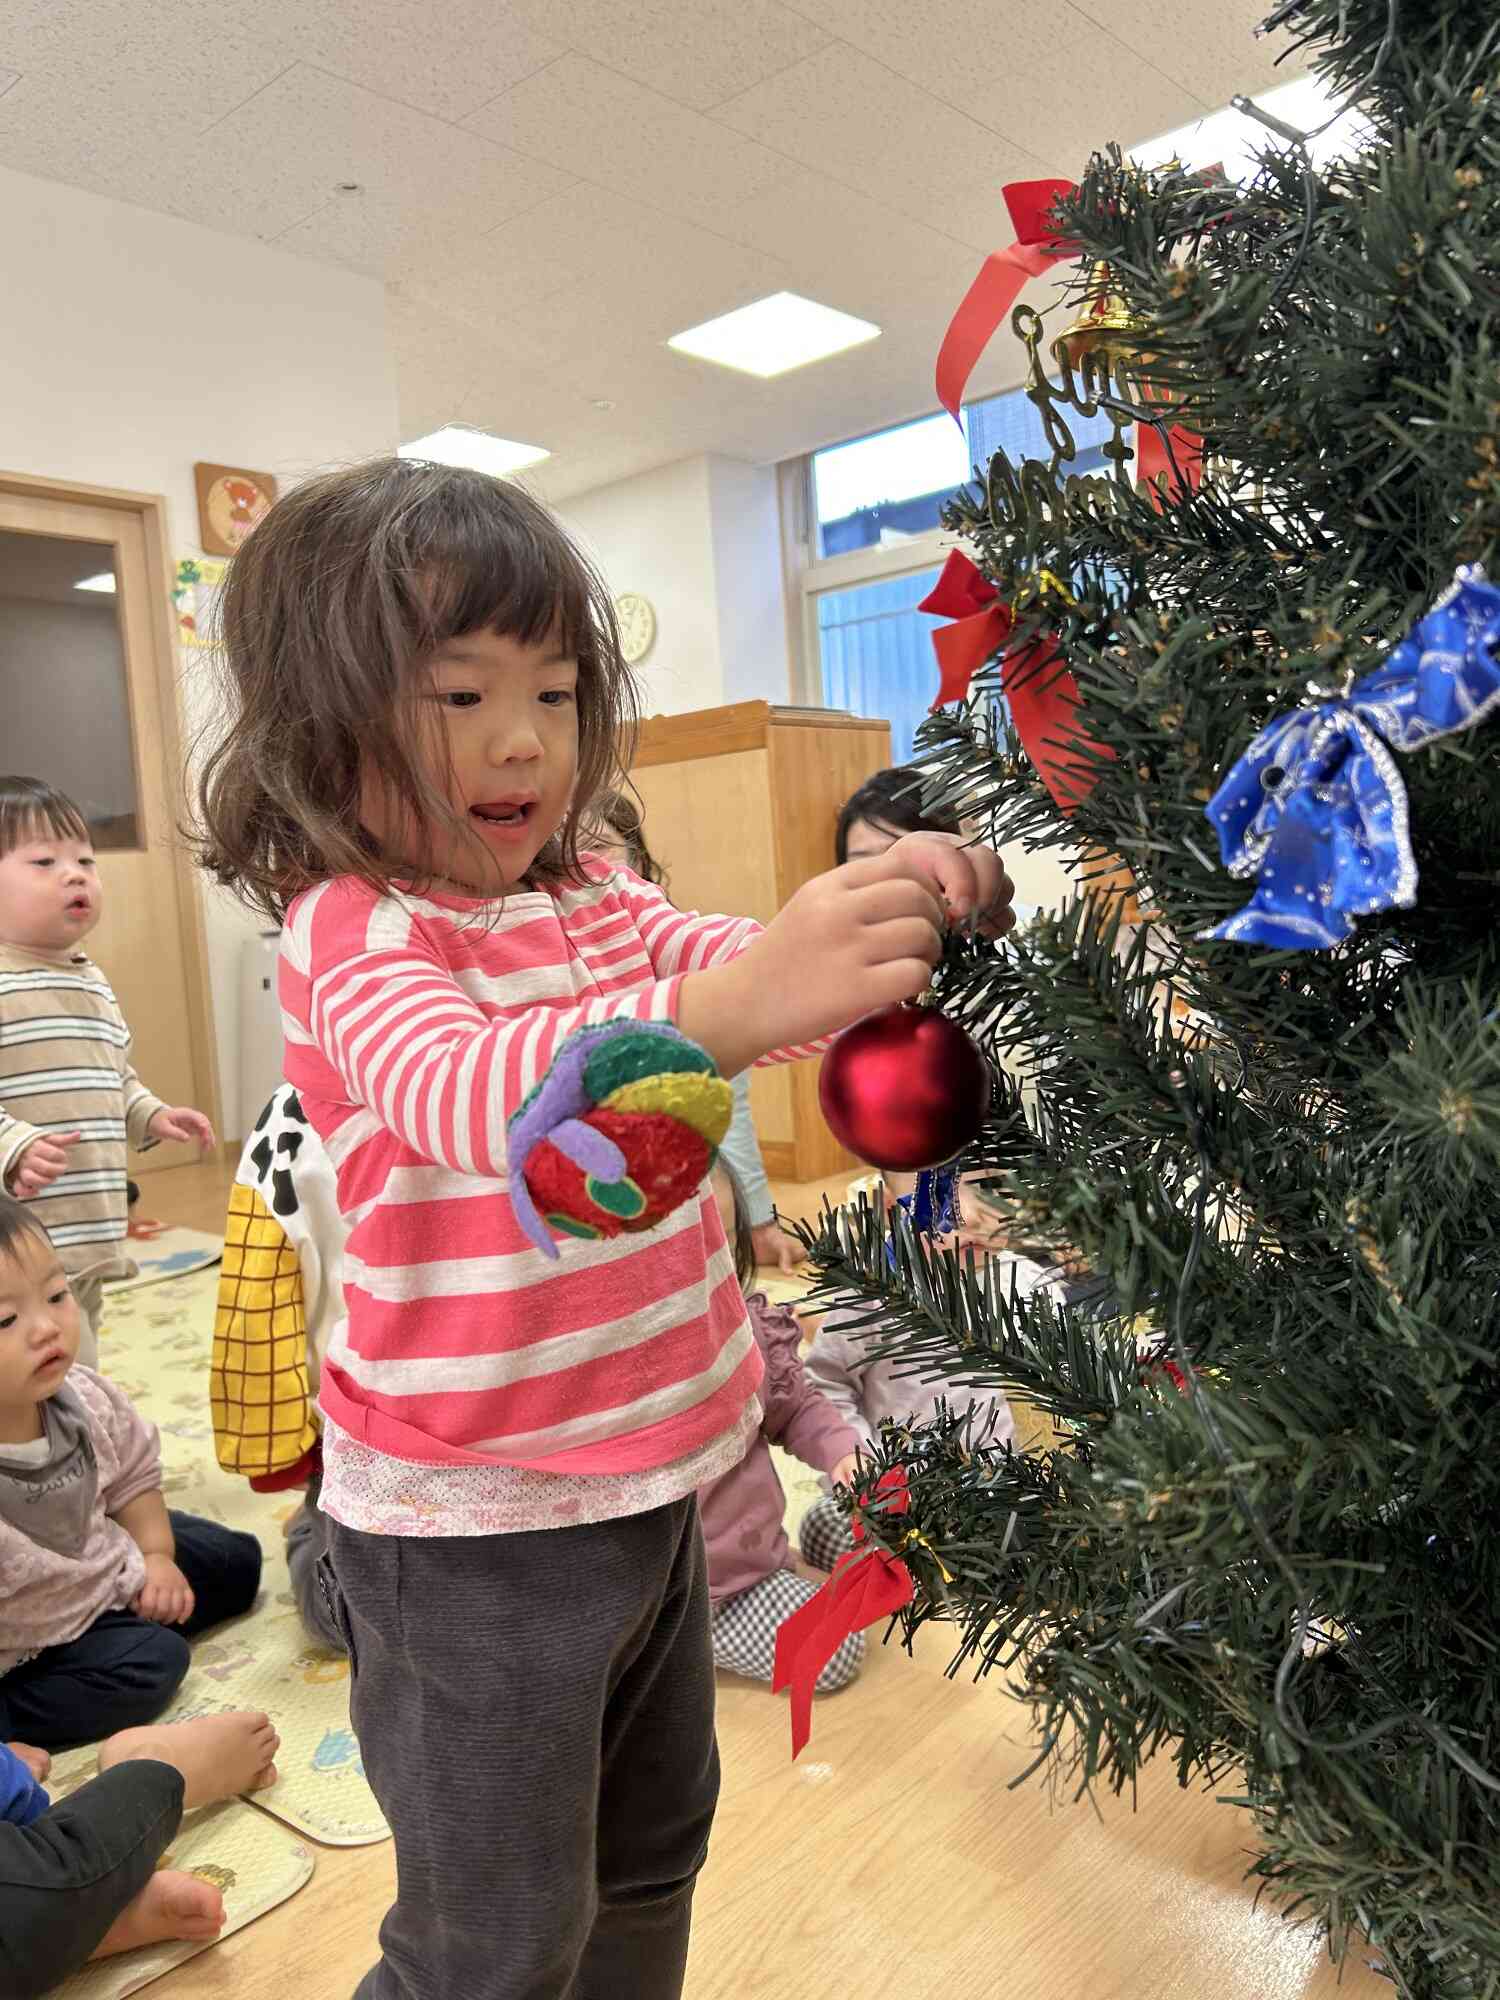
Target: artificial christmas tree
{"type": "Point", "coordinates": [1264, 1539]}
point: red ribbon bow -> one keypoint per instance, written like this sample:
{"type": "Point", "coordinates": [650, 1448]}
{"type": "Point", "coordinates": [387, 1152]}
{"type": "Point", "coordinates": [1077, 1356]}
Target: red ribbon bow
{"type": "Point", "coordinates": [995, 291]}
{"type": "Point", "coordinates": [1041, 693]}
{"type": "Point", "coordinates": [999, 284]}
{"type": "Point", "coordinates": [866, 1585]}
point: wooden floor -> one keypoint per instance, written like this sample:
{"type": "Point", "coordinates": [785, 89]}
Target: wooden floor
{"type": "Point", "coordinates": [890, 1861]}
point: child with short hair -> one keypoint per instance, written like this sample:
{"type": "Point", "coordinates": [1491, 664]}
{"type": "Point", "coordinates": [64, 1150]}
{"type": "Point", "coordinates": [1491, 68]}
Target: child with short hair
{"type": "Point", "coordinates": [69, 1097]}
{"type": "Point", "coordinates": [426, 700]}
{"type": "Point", "coordinates": [751, 1582]}
{"type": "Point", "coordinates": [100, 1587]}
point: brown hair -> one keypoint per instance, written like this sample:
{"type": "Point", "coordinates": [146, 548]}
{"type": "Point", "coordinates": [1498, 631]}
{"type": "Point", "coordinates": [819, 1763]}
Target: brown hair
{"type": "Point", "coordinates": [743, 1244]}
{"type": "Point", "coordinates": [333, 605]}
{"type": "Point", "coordinates": [619, 814]}
{"type": "Point", "coordinates": [891, 799]}
{"type": "Point", "coordinates": [31, 809]}
{"type": "Point", "coordinates": [18, 1220]}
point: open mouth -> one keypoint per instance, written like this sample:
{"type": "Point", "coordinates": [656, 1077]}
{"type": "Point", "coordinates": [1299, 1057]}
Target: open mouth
{"type": "Point", "coordinates": [49, 1361]}
{"type": "Point", "coordinates": [505, 815]}
{"type": "Point", "coordinates": [78, 906]}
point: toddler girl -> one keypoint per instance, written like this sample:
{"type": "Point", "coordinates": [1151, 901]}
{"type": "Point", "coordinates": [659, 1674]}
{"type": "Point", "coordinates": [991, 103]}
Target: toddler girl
{"type": "Point", "coordinates": [750, 1579]}
{"type": "Point", "coordinates": [102, 1588]}
{"type": "Point", "coordinates": [427, 697]}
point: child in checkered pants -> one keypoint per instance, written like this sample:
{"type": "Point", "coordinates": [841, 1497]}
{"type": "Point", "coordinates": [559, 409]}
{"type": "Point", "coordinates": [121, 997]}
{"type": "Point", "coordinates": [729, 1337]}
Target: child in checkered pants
{"type": "Point", "coordinates": [750, 1579]}
{"type": "Point", "coordinates": [865, 1392]}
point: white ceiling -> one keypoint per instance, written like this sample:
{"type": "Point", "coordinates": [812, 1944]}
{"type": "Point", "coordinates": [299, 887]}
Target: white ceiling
{"type": "Point", "coordinates": [549, 188]}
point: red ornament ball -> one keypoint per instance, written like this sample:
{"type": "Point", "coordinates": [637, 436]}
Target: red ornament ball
{"type": "Point", "coordinates": [905, 1089]}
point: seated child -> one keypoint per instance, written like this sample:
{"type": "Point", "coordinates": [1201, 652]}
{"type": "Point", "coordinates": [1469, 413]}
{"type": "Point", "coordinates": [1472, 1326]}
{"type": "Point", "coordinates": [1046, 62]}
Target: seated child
{"type": "Point", "coordinates": [101, 1587]}
{"type": "Point", "coordinates": [79, 1880]}
{"type": "Point", "coordinates": [865, 1391]}
{"type": "Point", "coordinates": [281, 1293]}
{"type": "Point", "coordinates": [751, 1583]}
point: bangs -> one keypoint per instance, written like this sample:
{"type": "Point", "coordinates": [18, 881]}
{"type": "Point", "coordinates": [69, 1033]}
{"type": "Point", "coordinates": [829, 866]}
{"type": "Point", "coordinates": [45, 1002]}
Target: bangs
{"type": "Point", "coordinates": [31, 810]}
{"type": "Point", "coordinates": [492, 560]}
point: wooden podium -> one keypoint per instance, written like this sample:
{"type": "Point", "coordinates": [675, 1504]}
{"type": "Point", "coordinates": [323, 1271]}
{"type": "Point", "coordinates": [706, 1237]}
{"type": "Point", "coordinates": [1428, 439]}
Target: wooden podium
{"type": "Point", "coordinates": [740, 808]}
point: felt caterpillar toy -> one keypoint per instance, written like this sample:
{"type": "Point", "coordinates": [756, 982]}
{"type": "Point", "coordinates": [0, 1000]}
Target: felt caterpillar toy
{"type": "Point", "coordinates": [620, 1131]}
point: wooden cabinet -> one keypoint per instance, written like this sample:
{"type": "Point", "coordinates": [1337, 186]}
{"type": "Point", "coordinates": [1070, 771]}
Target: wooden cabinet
{"type": "Point", "coordinates": [740, 809]}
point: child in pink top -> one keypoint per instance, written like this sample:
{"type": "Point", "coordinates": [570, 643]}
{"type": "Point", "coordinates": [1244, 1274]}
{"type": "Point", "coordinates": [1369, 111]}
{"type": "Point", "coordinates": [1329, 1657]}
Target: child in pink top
{"type": "Point", "coordinates": [751, 1582]}
{"type": "Point", "coordinates": [426, 698]}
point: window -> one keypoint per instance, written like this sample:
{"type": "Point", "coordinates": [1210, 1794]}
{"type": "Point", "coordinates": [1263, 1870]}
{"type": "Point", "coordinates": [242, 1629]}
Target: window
{"type": "Point", "coordinates": [875, 547]}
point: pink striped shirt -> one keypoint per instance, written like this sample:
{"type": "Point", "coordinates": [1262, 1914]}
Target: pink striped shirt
{"type": "Point", "coordinates": [415, 1026]}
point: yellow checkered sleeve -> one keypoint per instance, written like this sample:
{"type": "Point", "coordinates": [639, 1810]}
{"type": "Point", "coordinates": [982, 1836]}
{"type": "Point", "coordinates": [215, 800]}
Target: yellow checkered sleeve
{"type": "Point", "coordinates": [258, 1383]}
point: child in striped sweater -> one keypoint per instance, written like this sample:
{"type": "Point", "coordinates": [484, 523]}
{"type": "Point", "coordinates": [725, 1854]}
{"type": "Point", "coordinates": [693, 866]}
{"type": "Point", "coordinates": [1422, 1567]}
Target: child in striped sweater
{"type": "Point", "coordinates": [69, 1094]}
{"type": "Point", "coordinates": [426, 697]}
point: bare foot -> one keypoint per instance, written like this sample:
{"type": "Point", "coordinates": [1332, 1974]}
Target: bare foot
{"type": "Point", "coordinates": [218, 1755]}
{"type": "Point", "coordinates": [37, 1762]}
{"type": "Point", "coordinates": [172, 1905]}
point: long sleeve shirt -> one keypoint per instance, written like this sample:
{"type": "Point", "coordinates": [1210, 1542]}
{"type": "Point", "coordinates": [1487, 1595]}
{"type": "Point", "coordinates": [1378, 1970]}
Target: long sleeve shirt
{"type": "Point", "coordinates": [65, 1067]}
{"type": "Point", "coordinates": [415, 1026]}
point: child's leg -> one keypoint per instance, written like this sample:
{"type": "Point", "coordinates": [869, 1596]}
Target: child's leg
{"type": "Point", "coordinates": [659, 1783]}
{"type": "Point", "coordinates": [306, 1542]}
{"type": "Point", "coordinates": [745, 1629]}
{"type": "Point", "coordinates": [223, 1567]}
{"type": "Point", "coordinates": [89, 1293]}
{"type": "Point", "coordinates": [119, 1674]}
{"type": "Point", "coordinates": [67, 1878]}
{"type": "Point", "coordinates": [496, 1682]}
{"type": "Point", "coordinates": [825, 1533]}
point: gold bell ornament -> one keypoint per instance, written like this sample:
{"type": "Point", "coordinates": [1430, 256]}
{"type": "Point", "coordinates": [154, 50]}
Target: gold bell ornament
{"type": "Point", "coordinates": [1106, 333]}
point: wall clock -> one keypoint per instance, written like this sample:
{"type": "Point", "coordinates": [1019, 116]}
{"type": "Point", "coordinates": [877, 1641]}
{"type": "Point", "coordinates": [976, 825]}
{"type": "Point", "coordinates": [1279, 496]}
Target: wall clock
{"type": "Point", "coordinates": [230, 502]}
{"type": "Point", "coordinates": [636, 618]}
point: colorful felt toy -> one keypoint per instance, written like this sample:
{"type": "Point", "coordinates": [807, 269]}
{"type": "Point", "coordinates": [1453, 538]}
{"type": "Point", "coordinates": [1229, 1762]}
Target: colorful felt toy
{"type": "Point", "coordinates": [620, 1131]}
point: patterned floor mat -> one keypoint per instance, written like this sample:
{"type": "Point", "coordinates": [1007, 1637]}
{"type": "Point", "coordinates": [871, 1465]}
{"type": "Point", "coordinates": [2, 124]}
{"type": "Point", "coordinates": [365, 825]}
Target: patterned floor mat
{"type": "Point", "coordinates": [168, 1252]}
{"type": "Point", "coordinates": [254, 1862]}
{"type": "Point", "coordinates": [155, 1343]}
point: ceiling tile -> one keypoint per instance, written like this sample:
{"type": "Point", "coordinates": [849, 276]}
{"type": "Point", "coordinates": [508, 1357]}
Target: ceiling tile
{"type": "Point", "coordinates": [448, 63]}
{"type": "Point", "coordinates": [618, 134]}
{"type": "Point", "coordinates": [1214, 62]}
{"type": "Point", "coordinates": [850, 116]}
{"type": "Point", "coordinates": [394, 238]}
{"type": "Point", "coordinates": [7, 78]}
{"type": "Point", "coordinates": [697, 52]}
{"type": "Point", "coordinates": [1047, 78]}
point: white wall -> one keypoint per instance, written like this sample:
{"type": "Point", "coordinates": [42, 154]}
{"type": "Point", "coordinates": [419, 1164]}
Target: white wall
{"type": "Point", "coordinates": [700, 539]}
{"type": "Point", "coordinates": [134, 344]}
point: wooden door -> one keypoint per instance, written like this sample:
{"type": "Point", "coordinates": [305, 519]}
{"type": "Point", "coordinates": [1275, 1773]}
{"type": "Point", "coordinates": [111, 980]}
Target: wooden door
{"type": "Point", "coordinates": [88, 702]}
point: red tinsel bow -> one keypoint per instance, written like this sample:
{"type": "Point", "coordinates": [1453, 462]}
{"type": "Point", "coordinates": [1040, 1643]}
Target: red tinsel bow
{"type": "Point", "coordinates": [866, 1585]}
{"type": "Point", "coordinates": [1041, 693]}
{"type": "Point", "coordinates": [995, 291]}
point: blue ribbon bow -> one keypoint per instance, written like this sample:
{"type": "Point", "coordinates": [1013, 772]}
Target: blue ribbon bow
{"type": "Point", "coordinates": [1316, 811]}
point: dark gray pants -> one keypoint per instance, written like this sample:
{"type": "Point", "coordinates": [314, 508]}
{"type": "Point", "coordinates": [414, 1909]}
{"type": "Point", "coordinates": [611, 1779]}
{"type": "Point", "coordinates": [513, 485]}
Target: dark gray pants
{"type": "Point", "coordinates": [66, 1878]}
{"type": "Point", "coordinates": [536, 1716]}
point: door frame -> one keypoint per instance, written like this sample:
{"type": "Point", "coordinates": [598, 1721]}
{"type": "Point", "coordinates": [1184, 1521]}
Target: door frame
{"type": "Point", "coordinates": [150, 510]}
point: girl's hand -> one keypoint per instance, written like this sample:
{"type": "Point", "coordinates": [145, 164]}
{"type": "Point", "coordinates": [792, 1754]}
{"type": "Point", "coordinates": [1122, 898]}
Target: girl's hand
{"type": "Point", "coordinates": [846, 1471]}
{"type": "Point", "coordinates": [971, 880]}
{"type": "Point", "coordinates": [774, 1249]}
{"type": "Point", "coordinates": [862, 937]}
{"type": "Point", "coordinates": [166, 1597]}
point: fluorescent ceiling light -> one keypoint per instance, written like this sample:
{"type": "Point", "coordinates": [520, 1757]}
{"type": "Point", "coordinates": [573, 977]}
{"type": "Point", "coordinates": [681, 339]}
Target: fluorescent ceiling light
{"type": "Point", "coordinates": [774, 335]}
{"type": "Point", "coordinates": [459, 444]}
{"type": "Point", "coordinates": [104, 581]}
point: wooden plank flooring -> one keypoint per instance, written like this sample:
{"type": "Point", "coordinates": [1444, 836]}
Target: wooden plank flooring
{"type": "Point", "coordinates": [891, 1862]}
